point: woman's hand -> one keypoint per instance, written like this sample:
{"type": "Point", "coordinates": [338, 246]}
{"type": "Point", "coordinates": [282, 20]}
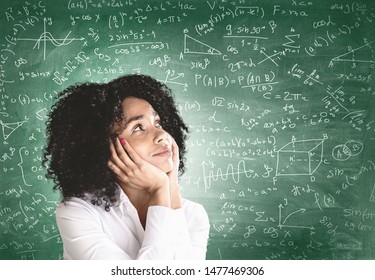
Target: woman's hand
{"type": "Point", "coordinates": [134, 172]}
{"type": "Point", "coordinates": [173, 177]}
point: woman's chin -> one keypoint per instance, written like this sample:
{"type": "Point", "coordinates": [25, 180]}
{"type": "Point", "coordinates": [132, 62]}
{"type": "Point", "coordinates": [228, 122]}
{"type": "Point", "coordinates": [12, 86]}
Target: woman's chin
{"type": "Point", "coordinates": [166, 166]}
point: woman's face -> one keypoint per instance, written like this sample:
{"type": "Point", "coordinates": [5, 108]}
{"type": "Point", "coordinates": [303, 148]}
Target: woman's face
{"type": "Point", "coordinates": [144, 133]}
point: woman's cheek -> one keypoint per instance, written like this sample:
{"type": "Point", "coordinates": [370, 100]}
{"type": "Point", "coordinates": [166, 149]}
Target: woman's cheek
{"type": "Point", "coordinates": [140, 149]}
{"type": "Point", "coordinates": [170, 139]}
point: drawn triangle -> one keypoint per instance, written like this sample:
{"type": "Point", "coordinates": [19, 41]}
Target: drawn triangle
{"type": "Point", "coordinates": [360, 54]}
{"type": "Point", "coordinates": [195, 46]}
{"type": "Point", "coordinates": [9, 128]}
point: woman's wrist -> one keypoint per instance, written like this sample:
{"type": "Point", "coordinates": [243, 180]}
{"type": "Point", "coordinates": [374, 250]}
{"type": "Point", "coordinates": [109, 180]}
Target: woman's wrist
{"type": "Point", "coordinates": [175, 197]}
{"type": "Point", "coordinates": [160, 196]}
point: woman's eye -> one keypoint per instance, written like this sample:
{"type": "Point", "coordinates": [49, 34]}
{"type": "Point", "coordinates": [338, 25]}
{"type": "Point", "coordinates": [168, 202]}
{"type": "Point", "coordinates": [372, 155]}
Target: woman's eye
{"type": "Point", "coordinates": [157, 124]}
{"type": "Point", "coordinates": [138, 128]}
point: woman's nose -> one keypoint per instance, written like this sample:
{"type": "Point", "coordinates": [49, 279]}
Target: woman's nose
{"type": "Point", "coordinates": [160, 135]}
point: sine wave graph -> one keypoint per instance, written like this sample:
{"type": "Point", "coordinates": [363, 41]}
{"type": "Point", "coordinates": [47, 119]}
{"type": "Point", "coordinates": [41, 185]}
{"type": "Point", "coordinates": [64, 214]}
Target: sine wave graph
{"type": "Point", "coordinates": [47, 37]}
{"type": "Point", "coordinates": [231, 173]}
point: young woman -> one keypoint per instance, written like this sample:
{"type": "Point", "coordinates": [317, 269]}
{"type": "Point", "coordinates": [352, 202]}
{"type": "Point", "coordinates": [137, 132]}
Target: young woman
{"type": "Point", "coordinates": [115, 152]}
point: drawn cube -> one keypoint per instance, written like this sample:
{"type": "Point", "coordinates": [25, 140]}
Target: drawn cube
{"type": "Point", "coordinates": [299, 157]}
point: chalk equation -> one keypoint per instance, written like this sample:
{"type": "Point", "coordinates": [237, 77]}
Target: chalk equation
{"type": "Point", "coordinates": [279, 98]}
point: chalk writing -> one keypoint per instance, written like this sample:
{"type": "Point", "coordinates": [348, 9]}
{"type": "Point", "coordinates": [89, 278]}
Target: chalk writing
{"type": "Point", "coordinates": [278, 97]}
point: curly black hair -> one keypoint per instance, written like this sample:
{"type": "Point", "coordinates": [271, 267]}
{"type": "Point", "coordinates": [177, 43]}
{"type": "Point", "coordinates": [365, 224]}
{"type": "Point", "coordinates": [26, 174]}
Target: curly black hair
{"type": "Point", "coordinates": [83, 120]}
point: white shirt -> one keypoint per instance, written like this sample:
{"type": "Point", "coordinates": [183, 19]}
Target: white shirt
{"type": "Point", "coordinates": [90, 232]}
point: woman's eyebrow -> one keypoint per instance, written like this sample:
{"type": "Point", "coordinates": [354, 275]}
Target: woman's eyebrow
{"type": "Point", "coordinates": [139, 117]}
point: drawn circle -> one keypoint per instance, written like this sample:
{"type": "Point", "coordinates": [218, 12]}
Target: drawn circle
{"type": "Point", "coordinates": [355, 147]}
{"type": "Point", "coordinates": [341, 152]}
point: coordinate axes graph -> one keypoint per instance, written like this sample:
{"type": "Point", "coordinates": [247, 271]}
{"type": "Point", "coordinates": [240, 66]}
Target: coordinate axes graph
{"type": "Point", "coordinates": [295, 223]}
{"type": "Point", "coordinates": [47, 37]}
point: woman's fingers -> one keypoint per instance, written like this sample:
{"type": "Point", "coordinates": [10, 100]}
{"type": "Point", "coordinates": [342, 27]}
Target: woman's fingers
{"type": "Point", "coordinates": [122, 154]}
{"type": "Point", "coordinates": [134, 171]}
{"type": "Point", "coordinates": [115, 160]}
{"type": "Point", "coordinates": [131, 154]}
{"type": "Point", "coordinates": [116, 170]}
{"type": "Point", "coordinates": [121, 164]}
{"type": "Point", "coordinates": [124, 162]}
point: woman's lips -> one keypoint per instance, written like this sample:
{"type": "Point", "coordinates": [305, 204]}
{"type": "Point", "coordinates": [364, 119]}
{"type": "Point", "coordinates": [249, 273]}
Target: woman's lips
{"type": "Point", "coordinates": [165, 152]}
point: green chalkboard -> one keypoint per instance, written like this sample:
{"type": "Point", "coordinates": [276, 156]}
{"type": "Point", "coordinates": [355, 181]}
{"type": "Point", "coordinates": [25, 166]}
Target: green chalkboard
{"type": "Point", "coordinates": [279, 97]}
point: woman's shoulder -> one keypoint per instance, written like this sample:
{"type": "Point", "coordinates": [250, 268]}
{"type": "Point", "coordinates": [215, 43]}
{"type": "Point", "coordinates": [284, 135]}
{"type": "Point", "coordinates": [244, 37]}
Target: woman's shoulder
{"type": "Point", "coordinates": [78, 207]}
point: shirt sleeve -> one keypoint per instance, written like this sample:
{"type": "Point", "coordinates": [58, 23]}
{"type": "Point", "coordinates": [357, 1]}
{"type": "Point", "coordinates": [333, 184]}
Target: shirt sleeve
{"type": "Point", "coordinates": [82, 234]}
{"type": "Point", "coordinates": [168, 234]}
{"type": "Point", "coordinates": [199, 233]}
